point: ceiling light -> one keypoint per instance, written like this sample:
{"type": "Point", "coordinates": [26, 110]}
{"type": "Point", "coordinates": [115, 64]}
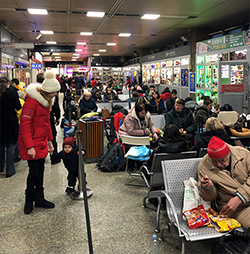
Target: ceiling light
{"type": "Point", "coordinates": [124, 34]}
{"type": "Point", "coordinates": [81, 43]}
{"type": "Point", "coordinates": [46, 32]}
{"type": "Point", "coordinates": [95, 14]}
{"type": "Point", "coordinates": [76, 54]}
{"type": "Point", "coordinates": [56, 54]}
{"type": "Point", "coordinates": [86, 33]}
{"type": "Point", "coordinates": [73, 59]}
{"type": "Point", "coordinates": [51, 42]}
{"type": "Point", "coordinates": [102, 50]}
{"type": "Point", "coordinates": [150, 16]}
{"type": "Point", "coordinates": [96, 54]}
{"type": "Point", "coordinates": [78, 50]}
{"type": "Point", "coordinates": [57, 57]}
{"type": "Point", "coordinates": [111, 44]}
{"type": "Point", "coordinates": [38, 11]}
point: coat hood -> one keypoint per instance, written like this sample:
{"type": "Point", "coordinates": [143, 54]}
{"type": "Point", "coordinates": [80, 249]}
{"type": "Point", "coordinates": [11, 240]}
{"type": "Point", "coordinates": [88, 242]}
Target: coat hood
{"type": "Point", "coordinates": [34, 94]}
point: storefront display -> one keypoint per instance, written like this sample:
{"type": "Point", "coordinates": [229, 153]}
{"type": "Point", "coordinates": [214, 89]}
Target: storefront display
{"type": "Point", "coordinates": [104, 73]}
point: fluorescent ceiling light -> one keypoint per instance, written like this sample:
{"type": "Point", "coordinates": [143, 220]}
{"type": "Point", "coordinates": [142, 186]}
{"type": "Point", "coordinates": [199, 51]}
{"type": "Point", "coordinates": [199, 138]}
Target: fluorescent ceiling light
{"type": "Point", "coordinates": [56, 54]}
{"type": "Point", "coordinates": [102, 50]}
{"type": "Point", "coordinates": [86, 33]}
{"type": "Point", "coordinates": [150, 16]}
{"type": "Point", "coordinates": [81, 43]}
{"type": "Point", "coordinates": [78, 50]}
{"type": "Point", "coordinates": [95, 14]}
{"type": "Point", "coordinates": [73, 59]}
{"type": "Point", "coordinates": [96, 54]}
{"type": "Point", "coordinates": [76, 54]}
{"type": "Point", "coordinates": [51, 42]}
{"type": "Point", "coordinates": [38, 11]}
{"type": "Point", "coordinates": [111, 44]}
{"type": "Point", "coordinates": [57, 57]}
{"type": "Point", "coordinates": [46, 32]}
{"type": "Point", "coordinates": [124, 34]}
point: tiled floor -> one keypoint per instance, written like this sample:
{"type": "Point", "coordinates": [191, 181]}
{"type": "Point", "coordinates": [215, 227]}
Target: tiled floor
{"type": "Point", "coordinates": [119, 224]}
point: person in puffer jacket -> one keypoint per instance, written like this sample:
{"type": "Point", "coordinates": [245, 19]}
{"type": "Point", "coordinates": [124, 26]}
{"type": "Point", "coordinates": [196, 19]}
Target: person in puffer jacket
{"type": "Point", "coordinates": [35, 137]}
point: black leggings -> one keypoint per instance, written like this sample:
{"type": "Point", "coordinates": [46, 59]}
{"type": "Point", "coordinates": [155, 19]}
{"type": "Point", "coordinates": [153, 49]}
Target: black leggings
{"type": "Point", "coordinates": [35, 176]}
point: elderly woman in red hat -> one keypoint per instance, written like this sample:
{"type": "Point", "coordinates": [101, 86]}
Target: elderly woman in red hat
{"type": "Point", "coordinates": [224, 176]}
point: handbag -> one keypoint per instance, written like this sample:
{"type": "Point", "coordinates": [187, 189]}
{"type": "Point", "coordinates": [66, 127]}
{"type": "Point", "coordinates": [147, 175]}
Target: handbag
{"type": "Point", "coordinates": [192, 197]}
{"type": "Point", "coordinates": [105, 113]}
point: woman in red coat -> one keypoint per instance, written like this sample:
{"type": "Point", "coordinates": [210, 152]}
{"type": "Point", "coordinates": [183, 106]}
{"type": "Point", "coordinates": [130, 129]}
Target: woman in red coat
{"type": "Point", "coordinates": [35, 137]}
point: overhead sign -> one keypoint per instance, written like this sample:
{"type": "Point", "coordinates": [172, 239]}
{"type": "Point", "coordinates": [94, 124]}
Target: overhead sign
{"type": "Point", "coordinates": [54, 48]}
{"type": "Point", "coordinates": [36, 66]}
{"type": "Point", "coordinates": [224, 42]}
{"type": "Point", "coordinates": [17, 45]}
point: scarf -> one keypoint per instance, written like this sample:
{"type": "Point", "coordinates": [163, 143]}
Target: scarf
{"type": "Point", "coordinates": [157, 102]}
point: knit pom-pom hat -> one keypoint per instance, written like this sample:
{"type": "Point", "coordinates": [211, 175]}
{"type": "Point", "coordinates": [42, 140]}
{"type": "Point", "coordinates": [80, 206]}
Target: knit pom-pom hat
{"type": "Point", "coordinates": [50, 83]}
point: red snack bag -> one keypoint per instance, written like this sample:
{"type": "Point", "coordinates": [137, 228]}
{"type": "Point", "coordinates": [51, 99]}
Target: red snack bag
{"type": "Point", "coordinates": [196, 217]}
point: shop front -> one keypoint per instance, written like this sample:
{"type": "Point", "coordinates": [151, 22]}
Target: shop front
{"type": "Point", "coordinates": [222, 70]}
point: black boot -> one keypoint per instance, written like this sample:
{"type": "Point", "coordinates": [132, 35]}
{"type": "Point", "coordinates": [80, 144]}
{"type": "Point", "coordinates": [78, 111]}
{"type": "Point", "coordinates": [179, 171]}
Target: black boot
{"type": "Point", "coordinates": [28, 207]}
{"type": "Point", "coordinates": [41, 202]}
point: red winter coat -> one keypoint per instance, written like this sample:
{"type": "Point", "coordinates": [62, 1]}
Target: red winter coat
{"type": "Point", "coordinates": [165, 96]}
{"type": "Point", "coordinates": [34, 128]}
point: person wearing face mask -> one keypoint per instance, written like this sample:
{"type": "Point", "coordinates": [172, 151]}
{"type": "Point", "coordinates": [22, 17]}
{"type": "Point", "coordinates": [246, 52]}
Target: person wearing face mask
{"type": "Point", "coordinates": [35, 137]}
{"type": "Point", "coordinates": [224, 176]}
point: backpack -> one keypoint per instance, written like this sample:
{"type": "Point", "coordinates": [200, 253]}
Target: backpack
{"type": "Point", "coordinates": [235, 242]}
{"type": "Point", "coordinates": [112, 160]}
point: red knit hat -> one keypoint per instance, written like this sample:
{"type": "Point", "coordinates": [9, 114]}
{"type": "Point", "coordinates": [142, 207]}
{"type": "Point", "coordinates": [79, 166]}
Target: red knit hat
{"type": "Point", "coordinates": [217, 148]}
{"type": "Point", "coordinates": [68, 141]}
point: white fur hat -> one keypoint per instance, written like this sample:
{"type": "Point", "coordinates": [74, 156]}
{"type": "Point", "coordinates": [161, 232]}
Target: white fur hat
{"type": "Point", "coordinates": [50, 83]}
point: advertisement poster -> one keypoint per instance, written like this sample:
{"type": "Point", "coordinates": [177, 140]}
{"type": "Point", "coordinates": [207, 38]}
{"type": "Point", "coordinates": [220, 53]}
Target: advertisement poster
{"type": "Point", "coordinates": [184, 77]}
{"type": "Point", "coordinates": [224, 42]}
{"type": "Point", "coordinates": [192, 88]}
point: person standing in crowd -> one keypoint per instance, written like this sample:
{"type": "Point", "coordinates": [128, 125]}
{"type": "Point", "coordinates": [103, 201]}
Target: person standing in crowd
{"type": "Point", "coordinates": [87, 104]}
{"type": "Point", "coordinates": [9, 102]}
{"type": "Point", "coordinates": [171, 100]}
{"type": "Point", "coordinates": [15, 82]}
{"type": "Point", "coordinates": [35, 137]}
{"type": "Point", "coordinates": [93, 82]}
{"type": "Point", "coordinates": [224, 176]}
{"type": "Point", "coordinates": [157, 103]}
{"type": "Point", "coordinates": [80, 82]}
{"type": "Point", "coordinates": [183, 119]}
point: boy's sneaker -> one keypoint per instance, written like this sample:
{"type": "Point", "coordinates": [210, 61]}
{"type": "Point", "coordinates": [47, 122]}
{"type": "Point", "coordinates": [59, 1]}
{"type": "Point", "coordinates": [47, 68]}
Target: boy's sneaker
{"type": "Point", "coordinates": [70, 190]}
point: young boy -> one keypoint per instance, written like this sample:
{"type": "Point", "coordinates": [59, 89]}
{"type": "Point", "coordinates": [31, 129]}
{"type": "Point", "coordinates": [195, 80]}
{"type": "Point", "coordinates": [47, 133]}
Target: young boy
{"type": "Point", "coordinates": [69, 155]}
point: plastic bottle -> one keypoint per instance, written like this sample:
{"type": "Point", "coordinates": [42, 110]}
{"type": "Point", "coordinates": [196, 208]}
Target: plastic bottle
{"type": "Point", "coordinates": [154, 245]}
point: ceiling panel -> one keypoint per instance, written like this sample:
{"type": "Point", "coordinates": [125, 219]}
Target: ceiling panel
{"type": "Point", "coordinates": [67, 18]}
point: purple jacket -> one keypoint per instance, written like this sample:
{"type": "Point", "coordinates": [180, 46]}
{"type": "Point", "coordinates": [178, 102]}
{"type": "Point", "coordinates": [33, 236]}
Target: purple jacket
{"type": "Point", "coordinates": [132, 125]}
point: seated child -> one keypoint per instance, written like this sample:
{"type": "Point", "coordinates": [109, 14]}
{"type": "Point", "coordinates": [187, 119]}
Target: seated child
{"type": "Point", "coordinates": [69, 155]}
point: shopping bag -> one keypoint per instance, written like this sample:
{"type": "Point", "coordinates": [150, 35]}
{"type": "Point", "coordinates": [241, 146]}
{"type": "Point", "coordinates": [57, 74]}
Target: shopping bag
{"type": "Point", "coordinates": [192, 197]}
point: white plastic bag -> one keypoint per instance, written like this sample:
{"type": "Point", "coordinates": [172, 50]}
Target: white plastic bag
{"type": "Point", "coordinates": [192, 197]}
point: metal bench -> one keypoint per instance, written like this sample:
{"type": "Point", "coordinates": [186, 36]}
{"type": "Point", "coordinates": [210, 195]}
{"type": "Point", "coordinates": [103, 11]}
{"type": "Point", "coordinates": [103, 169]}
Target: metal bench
{"type": "Point", "coordinates": [174, 173]}
{"type": "Point", "coordinates": [156, 178]}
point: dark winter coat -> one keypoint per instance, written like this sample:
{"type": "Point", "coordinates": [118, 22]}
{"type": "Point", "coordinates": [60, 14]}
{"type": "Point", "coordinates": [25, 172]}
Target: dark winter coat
{"type": "Point", "coordinates": [8, 117]}
{"type": "Point", "coordinates": [34, 128]}
{"type": "Point", "coordinates": [161, 106]}
{"type": "Point", "coordinates": [165, 146]}
{"type": "Point", "coordinates": [206, 136]}
{"type": "Point", "coordinates": [189, 126]}
{"type": "Point", "coordinates": [205, 114]}
{"type": "Point", "coordinates": [55, 114]}
{"type": "Point", "coordinates": [107, 97]}
{"type": "Point", "coordinates": [70, 161]}
{"type": "Point", "coordinates": [170, 103]}
{"type": "Point", "coordinates": [87, 106]}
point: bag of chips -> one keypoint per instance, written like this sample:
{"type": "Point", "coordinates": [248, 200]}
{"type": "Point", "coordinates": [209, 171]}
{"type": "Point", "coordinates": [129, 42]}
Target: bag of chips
{"type": "Point", "coordinates": [196, 217]}
{"type": "Point", "coordinates": [222, 223]}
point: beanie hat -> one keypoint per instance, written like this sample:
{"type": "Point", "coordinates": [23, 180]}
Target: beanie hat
{"type": "Point", "coordinates": [68, 141]}
{"type": "Point", "coordinates": [217, 148]}
{"type": "Point", "coordinates": [50, 83]}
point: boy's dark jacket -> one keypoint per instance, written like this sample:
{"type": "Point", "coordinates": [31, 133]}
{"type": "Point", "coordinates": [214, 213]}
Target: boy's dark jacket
{"type": "Point", "coordinates": [70, 160]}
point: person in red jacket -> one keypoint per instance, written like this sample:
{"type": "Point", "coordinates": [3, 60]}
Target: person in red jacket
{"type": "Point", "coordinates": [93, 82]}
{"type": "Point", "coordinates": [35, 137]}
